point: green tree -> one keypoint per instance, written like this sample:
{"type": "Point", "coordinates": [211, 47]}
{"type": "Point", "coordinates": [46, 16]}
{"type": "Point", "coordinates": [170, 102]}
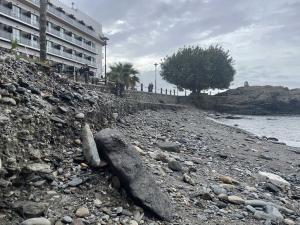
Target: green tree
{"type": "Point", "coordinates": [124, 74]}
{"type": "Point", "coordinates": [197, 69]}
{"type": "Point", "coordinates": [14, 44]}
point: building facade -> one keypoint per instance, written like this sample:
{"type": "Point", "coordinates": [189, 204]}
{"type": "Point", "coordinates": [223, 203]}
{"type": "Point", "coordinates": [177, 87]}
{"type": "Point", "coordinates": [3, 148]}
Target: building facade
{"type": "Point", "coordinates": [73, 38]}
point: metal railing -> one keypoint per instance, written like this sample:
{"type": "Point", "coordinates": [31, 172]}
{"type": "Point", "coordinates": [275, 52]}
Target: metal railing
{"type": "Point", "coordinates": [78, 42]}
{"type": "Point", "coordinates": [36, 2]}
{"type": "Point", "coordinates": [21, 16]}
{"type": "Point", "coordinates": [54, 51]}
{"type": "Point", "coordinates": [5, 34]}
{"type": "Point", "coordinates": [54, 31]}
{"type": "Point", "coordinates": [70, 56]}
{"type": "Point", "coordinates": [69, 38]}
{"type": "Point", "coordinates": [25, 41]}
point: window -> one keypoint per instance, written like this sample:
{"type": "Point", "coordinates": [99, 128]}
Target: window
{"type": "Point", "coordinates": [16, 11]}
{"type": "Point", "coordinates": [34, 19]}
{"type": "Point", "coordinates": [16, 35]}
{"type": "Point", "coordinates": [34, 41]}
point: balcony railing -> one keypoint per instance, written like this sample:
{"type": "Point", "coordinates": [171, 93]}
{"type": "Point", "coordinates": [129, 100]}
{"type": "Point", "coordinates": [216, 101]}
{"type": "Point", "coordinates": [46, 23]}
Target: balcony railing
{"type": "Point", "coordinates": [77, 42]}
{"type": "Point", "coordinates": [69, 38]}
{"type": "Point", "coordinates": [70, 56]}
{"type": "Point", "coordinates": [5, 34]}
{"type": "Point", "coordinates": [36, 2]}
{"type": "Point", "coordinates": [55, 32]}
{"type": "Point", "coordinates": [54, 51]}
{"type": "Point", "coordinates": [21, 16]}
{"type": "Point", "coordinates": [68, 19]}
{"type": "Point", "coordinates": [25, 41]}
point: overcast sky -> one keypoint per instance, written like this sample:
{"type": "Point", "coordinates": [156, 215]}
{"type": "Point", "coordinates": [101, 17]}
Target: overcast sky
{"type": "Point", "coordinates": [262, 36]}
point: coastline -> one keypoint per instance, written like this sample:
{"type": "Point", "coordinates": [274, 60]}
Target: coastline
{"type": "Point", "coordinates": [275, 128]}
{"type": "Point", "coordinates": [213, 150]}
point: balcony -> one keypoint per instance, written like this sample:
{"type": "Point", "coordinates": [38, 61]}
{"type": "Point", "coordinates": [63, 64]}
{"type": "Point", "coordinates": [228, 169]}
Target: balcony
{"type": "Point", "coordinates": [36, 2]}
{"type": "Point", "coordinates": [25, 41]}
{"type": "Point", "coordinates": [78, 42]}
{"type": "Point", "coordinates": [54, 51]}
{"type": "Point", "coordinates": [5, 34]}
{"type": "Point", "coordinates": [68, 37]}
{"type": "Point", "coordinates": [20, 17]}
{"type": "Point", "coordinates": [54, 32]}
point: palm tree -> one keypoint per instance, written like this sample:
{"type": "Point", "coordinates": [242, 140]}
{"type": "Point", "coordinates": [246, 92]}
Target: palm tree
{"type": "Point", "coordinates": [43, 27]}
{"type": "Point", "coordinates": [123, 74]}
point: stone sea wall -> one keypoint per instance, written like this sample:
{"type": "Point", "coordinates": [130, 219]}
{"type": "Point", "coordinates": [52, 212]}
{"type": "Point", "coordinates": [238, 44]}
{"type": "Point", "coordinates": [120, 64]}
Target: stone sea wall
{"type": "Point", "coordinates": [151, 97]}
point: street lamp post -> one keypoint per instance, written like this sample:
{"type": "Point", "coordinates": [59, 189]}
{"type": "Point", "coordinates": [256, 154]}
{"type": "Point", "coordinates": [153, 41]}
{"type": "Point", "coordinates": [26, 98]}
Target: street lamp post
{"type": "Point", "coordinates": [155, 64]}
{"type": "Point", "coordinates": [105, 39]}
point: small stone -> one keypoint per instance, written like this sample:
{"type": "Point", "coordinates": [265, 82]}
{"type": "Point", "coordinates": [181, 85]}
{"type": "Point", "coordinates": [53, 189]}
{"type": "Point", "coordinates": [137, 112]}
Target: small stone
{"type": "Point", "coordinates": [77, 141]}
{"type": "Point", "coordinates": [289, 222]}
{"type": "Point", "coordinates": [115, 116]}
{"type": "Point", "coordinates": [272, 188]}
{"type": "Point", "coordinates": [188, 179]}
{"type": "Point", "coordinates": [119, 210]}
{"type": "Point", "coordinates": [116, 182]}
{"type": "Point", "coordinates": [36, 221]}
{"type": "Point", "coordinates": [139, 150]}
{"type": "Point", "coordinates": [67, 219]}
{"type": "Point", "coordinates": [133, 222]}
{"type": "Point", "coordinates": [188, 163]}
{"type": "Point", "coordinates": [236, 199]}
{"type": "Point", "coordinates": [38, 168]}
{"type": "Point", "coordinates": [31, 209]}
{"type": "Point", "coordinates": [7, 100]}
{"type": "Point", "coordinates": [274, 213]}
{"type": "Point", "coordinates": [75, 182]}
{"type": "Point", "coordinates": [63, 109]}
{"type": "Point", "coordinates": [161, 157]}
{"type": "Point", "coordinates": [170, 147]}
{"type": "Point", "coordinates": [175, 165]}
{"type": "Point", "coordinates": [228, 180]}
{"type": "Point", "coordinates": [274, 179]}
{"type": "Point", "coordinates": [78, 222]}
{"type": "Point", "coordinates": [34, 154]}
{"type": "Point", "coordinates": [57, 120]}
{"type": "Point", "coordinates": [82, 212]}
{"type": "Point", "coordinates": [79, 116]}
{"type": "Point", "coordinates": [218, 190]}
{"type": "Point", "coordinates": [97, 203]}
{"type": "Point", "coordinates": [250, 189]}
{"type": "Point", "coordinates": [4, 119]}
{"type": "Point", "coordinates": [223, 197]}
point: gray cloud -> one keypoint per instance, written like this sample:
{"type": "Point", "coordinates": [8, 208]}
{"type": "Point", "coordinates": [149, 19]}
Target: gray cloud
{"type": "Point", "coordinates": [263, 36]}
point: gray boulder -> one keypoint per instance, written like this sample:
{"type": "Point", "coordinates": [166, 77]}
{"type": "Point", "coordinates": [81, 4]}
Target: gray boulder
{"type": "Point", "coordinates": [90, 150]}
{"type": "Point", "coordinates": [134, 176]}
{"type": "Point", "coordinates": [169, 146]}
{"type": "Point", "coordinates": [36, 221]}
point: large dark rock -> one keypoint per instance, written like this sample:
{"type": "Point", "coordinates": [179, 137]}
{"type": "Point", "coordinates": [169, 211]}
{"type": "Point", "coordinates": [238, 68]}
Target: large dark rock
{"type": "Point", "coordinates": [134, 177]}
{"type": "Point", "coordinates": [259, 100]}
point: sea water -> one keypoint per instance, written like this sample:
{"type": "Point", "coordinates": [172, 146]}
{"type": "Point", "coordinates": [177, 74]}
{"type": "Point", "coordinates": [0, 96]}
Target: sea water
{"type": "Point", "coordinates": [284, 128]}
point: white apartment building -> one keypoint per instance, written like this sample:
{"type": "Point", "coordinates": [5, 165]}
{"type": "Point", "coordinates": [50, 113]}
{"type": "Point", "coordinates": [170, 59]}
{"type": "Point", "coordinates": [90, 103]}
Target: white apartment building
{"type": "Point", "coordinates": [73, 38]}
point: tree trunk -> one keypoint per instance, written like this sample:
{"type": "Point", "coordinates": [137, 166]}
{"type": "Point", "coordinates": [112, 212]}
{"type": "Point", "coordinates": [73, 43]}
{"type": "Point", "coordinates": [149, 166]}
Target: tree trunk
{"type": "Point", "coordinates": [43, 28]}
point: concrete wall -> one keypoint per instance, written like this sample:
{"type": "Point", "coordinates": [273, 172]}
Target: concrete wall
{"type": "Point", "coordinates": [139, 96]}
{"type": "Point", "coordinates": [151, 97]}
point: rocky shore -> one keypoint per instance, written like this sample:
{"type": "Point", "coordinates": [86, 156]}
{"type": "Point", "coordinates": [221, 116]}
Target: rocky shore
{"type": "Point", "coordinates": [162, 165]}
{"type": "Point", "coordinates": [255, 100]}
